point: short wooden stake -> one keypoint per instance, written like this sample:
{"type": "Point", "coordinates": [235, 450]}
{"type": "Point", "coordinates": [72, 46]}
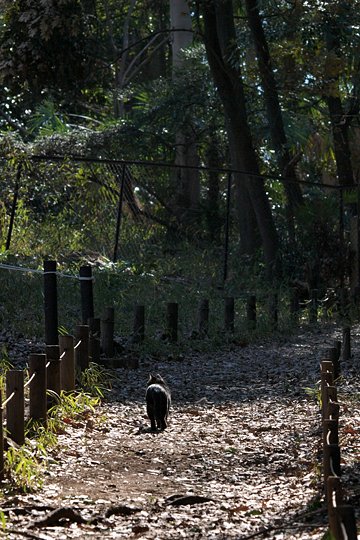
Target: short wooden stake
{"type": "Point", "coordinates": [251, 311]}
{"type": "Point", "coordinates": [295, 305]}
{"type": "Point", "coordinates": [326, 380]}
{"type": "Point", "coordinates": [67, 365]}
{"type": "Point", "coordinates": [313, 307]}
{"type": "Point", "coordinates": [15, 424]}
{"type": "Point", "coordinates": [139, 324]}
{"type": "Point", "coordinates": [330, 431]}
{"type": "Point", "coordinates": [107, 332]}
{"type": "Point", "coordinates": [331, 461]}
{"type": "Point", "coordinates": [94, 339]}
{"type": "Point", "coordinates": [333, 410]}
{"type": "Point", "coordinates": [82, 346]}
{"type": "Point", "coordinates": [346, 355]}
{"type": "Point", "coordinates": [347, 517]}
{"type": "Point", "coordinates": [1, 440]}
{"type": "Point", "coordinates": [172, 321]}
{"type": "Point", "coordinates": [332, 354]}
{"type": "Point", "coordinates": [334, 500]}
{"type": "Point", "coordinates": [273, 311]}
{"type": "Point", "coordinates": [343, 302]}
{"type": "Point", "coordinates": [53, 370]}
{"type": "Point", "coordinates": [229, 314]}
{"type": "Point", "coordinates": [329, 395]}
{"type": "Point", "coordinates": [86, 291]}
{"type": "Point", "coordinates": [50, 303]}
{"type": "Point", "coordinates": [37, 387]}
{"type": "Point", "coordinates": [327, 366]}
{"type": "Point", "coordinates": [203, 317]}
{"type": "Point", "coordinates": [337, 346]}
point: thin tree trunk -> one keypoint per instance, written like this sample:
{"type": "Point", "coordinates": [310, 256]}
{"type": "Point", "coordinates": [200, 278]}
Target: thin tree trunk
{"type": "Point", "coordinates": [339, 125]}
{"type": "Point", "coordinates": [286, 161]}
{"type": "Point", "coordinates": [187, 190]}
{"type": "Point", "coordinates": [220, 40]}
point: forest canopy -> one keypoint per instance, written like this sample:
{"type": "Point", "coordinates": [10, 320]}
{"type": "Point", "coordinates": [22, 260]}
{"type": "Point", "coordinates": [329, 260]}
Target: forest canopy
{"type": "Point", "coordinates": [263, 87]}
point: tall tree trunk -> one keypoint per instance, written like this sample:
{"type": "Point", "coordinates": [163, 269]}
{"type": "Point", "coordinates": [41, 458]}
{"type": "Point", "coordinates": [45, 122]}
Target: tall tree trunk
{"type": "Point", "coordinates": [213, 161]}
{"type": "Point", "coordinates": [187, 196]}
{"type": "Point", "coordinates": [339, 125]}
{"type": "Point", "coordinates": [220, 40]}
{"type": "Point", "coordinates": [285, 159]}
{"type": "Point", "coordinates": [119, 60]}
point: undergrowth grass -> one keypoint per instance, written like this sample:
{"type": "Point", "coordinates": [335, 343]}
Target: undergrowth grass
{"type": "Point", "coordinates": [25, 465]}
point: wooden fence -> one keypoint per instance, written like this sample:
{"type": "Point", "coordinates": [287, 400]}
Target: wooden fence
{"type": "Point", "coordinates": [56, 369]}
{"type": "Point", "coordinates": [342, 523]}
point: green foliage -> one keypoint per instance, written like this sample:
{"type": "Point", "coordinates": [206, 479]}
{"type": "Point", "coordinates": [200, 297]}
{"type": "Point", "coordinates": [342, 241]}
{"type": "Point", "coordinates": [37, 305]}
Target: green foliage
{"type": "Point", "coordinates": [46, 120]}
{"type": "Point", "coordinates": [2, 520]}
{"type": "Point", "coordinates": [23, 466]}
{"type": "Point", "coordinates": [5, 365]}
{"type": "Point", "coordinates": [96, 380]}
{"type": "Point", "coordinates": [73, 406]}
{"type": "Point", "coordinates": [315, 393]}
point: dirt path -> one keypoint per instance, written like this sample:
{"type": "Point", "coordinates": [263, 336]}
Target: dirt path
{"type": "Point", "coordinates": [243, 433]}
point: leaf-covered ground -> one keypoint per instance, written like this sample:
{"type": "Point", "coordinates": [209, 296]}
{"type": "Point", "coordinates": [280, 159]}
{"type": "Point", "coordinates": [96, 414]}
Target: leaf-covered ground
{"type": "Point", "coordinates": [241, 457]}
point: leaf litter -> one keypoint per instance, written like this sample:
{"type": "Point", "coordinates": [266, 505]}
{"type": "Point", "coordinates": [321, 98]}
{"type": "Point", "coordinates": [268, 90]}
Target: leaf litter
{"type": "Point", "coordinates": [241, 457]}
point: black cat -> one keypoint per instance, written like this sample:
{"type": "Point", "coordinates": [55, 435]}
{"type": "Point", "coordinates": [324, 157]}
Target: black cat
{"type": "Point", "coordinates": [158, 400]}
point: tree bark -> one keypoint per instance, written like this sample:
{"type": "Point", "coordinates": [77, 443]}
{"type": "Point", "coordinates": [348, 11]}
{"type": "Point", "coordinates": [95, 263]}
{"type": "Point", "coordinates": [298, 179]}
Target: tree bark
{"type": "Point", "coordinates": [220, 40]}
{"type": "Point", "coordinates": [187, 190]}
{"type": "Point", "coordinates": [285, 159]}
{"type": "Point", "coordinates": [339, 125]}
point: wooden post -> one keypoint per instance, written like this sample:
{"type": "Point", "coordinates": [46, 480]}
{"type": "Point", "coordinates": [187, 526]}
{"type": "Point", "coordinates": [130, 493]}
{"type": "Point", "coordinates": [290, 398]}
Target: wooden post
{"type": "Point", "coordinates": [347, 518]}
{"type": "Point", "coordinates": [273, 311]}
{"type": "Point", "coordinates": [107, 332]}
{"type": "Point", "coordinates": [37, 387]}
{"type": "Point", "coordinates": [327, 366]}
{"type": "Point", "coordinates": [50, 303]}
{"type": "Point", "coordinates": [15, 424]}
{"type": "Point", "coordinates": [251, 311]}
{"type": "Point", "coordinates": [172, 320]}
{"type": "Point", "coordinates": [333, 410]}
{"type": "Point", "coordinates": [346, 344]}
{"type": "Point", "coordinates": [334, 500]}
{"type": "Point", "coordinates": [331, 463]}
{"type": "Point", "coordinates": [203, 317]}
{"type": "Point", "coordinates": [229, 314]}
{"type": "Point", "coordinates": [139, 324]}
{"type": "Point", "coordinates": [82, 346]}
{"type": "Point", "coordinates": [326, 380]}
{"type": "Point", "coordinates": [295, 305]}
{"type": "Point", "coordinates": [1, 440]}
{"type": "Point", "coordinates": [333, 354]}
{"type": "Point", "coordinates": [53, 370]}
{"type": "Point", "coordinates": [94, 339]}
{"type": "Point", "coordinates": [67, 365]}
{"type": "Point", "coordinates": [344, 302]}
{"type": "Point", "coordinates": [330, 431]}
{"type": "Point", "coordinates": [86, 293]}
{"type": "Point", "coordinates": [337, 346]}
{"type": "Point", "coordinates": [330, 395]}
{"type": "Point", "coordinates": [313, 307]}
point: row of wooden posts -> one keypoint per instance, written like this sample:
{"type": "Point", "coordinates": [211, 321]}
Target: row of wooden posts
{"type": "Point", "coordinates": [342, 522]}
{"type": "Point", "coordinates": [105, 330]}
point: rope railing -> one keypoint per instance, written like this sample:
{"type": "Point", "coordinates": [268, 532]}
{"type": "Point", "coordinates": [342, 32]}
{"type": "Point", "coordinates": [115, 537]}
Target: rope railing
{"type": "Point", "coordinates": [38, 271]}
{"type": "Point", "coordinates": [30, 380]}
{"type": "Point", "coordinates": [7, 400]}
{"type": "Point", "coordinates": [43, 368]}
{"type": "Point", "coordinates": [54, 371]}
{"type": "Point", "coordinates": [342, 523]}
